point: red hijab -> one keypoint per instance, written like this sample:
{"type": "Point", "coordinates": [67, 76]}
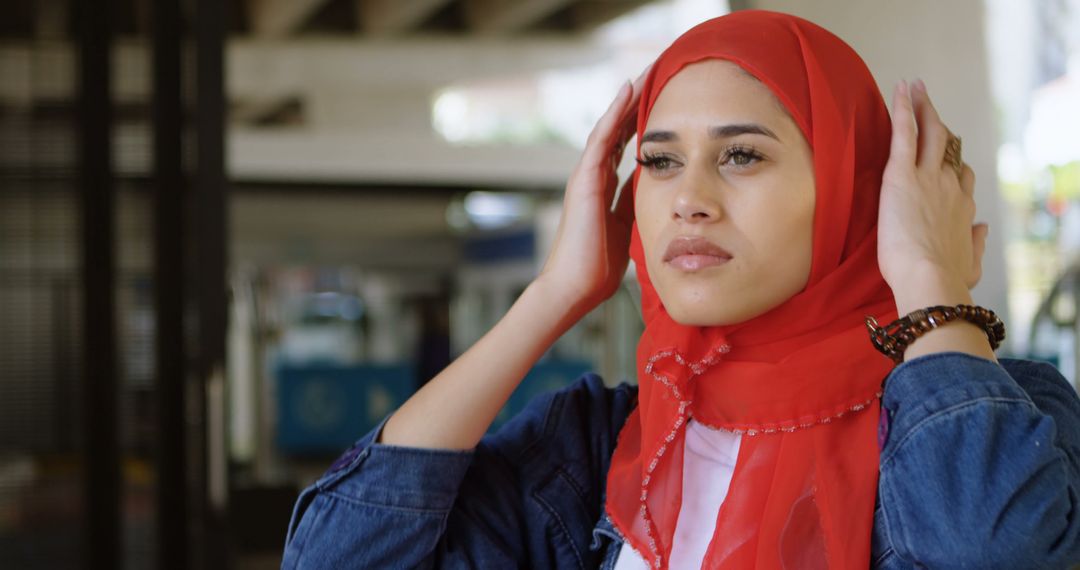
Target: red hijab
{"type": "Point", "coordinates": [800, 382]}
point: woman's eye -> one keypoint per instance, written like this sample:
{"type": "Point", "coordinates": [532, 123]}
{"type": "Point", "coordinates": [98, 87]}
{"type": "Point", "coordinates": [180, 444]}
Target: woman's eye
{"type": "Point", "coordinates": [737, 157]}
{"type": "Point", "coordinates": [741, 157]}
{"type": "Point", "coordinates": [653, 162]}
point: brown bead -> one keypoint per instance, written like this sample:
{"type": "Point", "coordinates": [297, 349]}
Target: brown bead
{"type": "Point", "coordinates": [906, 329]}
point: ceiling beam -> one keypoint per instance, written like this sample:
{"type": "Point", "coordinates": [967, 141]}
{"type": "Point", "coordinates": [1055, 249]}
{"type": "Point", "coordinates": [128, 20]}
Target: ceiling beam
{"type": "Point", "coordinates": [588, 14]}
{"type": "Point", "coordinates": [268, 69]}
{"type": "Point", "coordinates": [277, 18]}
{"type": "Point", "coordinates": [51, 18]}
{"type": "Point", "coordinates": [388, 17]}
{"type": "Point", "coordinates": [259, 68]}
{"type": "Point", "coordinates": [505, 16]}
{"type": "Point", "coordinates": [390, 157]}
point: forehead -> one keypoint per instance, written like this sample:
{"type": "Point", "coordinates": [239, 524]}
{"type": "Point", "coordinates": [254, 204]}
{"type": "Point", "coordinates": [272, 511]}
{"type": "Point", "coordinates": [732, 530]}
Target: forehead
{"type": "Point", "coordinates": [718, 90]}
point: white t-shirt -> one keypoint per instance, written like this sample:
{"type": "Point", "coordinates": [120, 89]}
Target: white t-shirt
{"type": "Point", "coordinates": [708, 464]}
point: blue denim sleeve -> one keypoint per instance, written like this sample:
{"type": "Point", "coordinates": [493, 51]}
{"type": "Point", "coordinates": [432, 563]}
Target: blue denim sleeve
{"type": "Point", "coordinates": [981, 466]}
{"type": "Point", "coordinates": [526, 496]}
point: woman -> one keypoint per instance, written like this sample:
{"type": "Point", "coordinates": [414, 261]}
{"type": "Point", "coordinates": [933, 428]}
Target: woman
{"type": "Point", "coordinates": [772, 213]}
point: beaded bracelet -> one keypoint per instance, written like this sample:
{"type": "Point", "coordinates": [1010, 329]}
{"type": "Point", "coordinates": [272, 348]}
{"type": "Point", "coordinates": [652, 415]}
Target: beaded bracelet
{"type": "Point", "coordinates": [893, 339]}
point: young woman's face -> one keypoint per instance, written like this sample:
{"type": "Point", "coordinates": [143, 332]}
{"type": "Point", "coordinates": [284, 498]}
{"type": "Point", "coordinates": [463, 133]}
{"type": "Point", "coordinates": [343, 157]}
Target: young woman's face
{"type": "Point", "coordinates": [725, 200]}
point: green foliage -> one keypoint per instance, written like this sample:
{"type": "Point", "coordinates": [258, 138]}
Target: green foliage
{"type": "Point", "coordinates": [1066, 183]}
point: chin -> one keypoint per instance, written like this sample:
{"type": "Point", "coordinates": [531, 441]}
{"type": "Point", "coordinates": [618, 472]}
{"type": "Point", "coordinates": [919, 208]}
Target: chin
{"type": "Point", "coordinates": [693, 302]}
{"type": "Point", "coordinates": [704, 305]}
{"type": "Point", "coordinates": [707, 306]}
{"type": "Point", "coordinates": [694, 314]}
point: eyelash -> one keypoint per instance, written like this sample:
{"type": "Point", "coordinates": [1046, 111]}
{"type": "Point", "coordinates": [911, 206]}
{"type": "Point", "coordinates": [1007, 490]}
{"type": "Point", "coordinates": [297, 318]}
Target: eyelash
{"type": "Point", "coordinates": [654, 162]}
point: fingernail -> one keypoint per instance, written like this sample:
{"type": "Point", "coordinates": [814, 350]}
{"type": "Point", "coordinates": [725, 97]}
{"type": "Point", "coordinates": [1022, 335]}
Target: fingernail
{"type": "Point", "coordinates": [920, 85]}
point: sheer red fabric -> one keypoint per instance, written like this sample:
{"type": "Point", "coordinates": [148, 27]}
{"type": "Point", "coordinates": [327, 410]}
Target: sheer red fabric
{"type": "Point", "coordinates": [801, 382]}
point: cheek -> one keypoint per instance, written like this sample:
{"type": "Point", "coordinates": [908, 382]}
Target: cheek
{"type": "Point", "coordinates": [785, 240]}
{"type": "Point", "coordinates": [803, 231]}
{"type": "Point", "coordinates": [648, 214]}
{"type": "Point", "coordinates": [773, 211]}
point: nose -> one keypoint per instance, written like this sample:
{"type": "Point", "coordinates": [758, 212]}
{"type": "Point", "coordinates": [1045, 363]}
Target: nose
{"type": "Point", "coordinates": [696, 204]}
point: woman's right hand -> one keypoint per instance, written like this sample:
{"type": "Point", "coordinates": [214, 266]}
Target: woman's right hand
{"type": "Point", "coordinates": [591, 249]}
{"type": "Point", "coordinates": [586, 265]}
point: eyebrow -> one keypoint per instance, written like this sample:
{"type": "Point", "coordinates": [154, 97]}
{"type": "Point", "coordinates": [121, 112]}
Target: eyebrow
{"type": "Point", "coordinates": [719, 132]}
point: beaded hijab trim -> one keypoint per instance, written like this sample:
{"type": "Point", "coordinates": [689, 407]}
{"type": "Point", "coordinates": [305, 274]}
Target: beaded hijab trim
{"type": "Point", "coordinates": [696, 369]}
{"type": "Point", "coordinates": [791, 428]}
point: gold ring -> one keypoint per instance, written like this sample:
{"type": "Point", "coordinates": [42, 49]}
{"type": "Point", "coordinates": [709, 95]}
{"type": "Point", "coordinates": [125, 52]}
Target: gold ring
{"type": "Point", "coordinates": [953, 154]}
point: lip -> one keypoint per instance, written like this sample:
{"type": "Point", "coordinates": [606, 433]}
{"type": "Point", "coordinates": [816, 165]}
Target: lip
{"type": "Point", "coordinates": [694, 253]}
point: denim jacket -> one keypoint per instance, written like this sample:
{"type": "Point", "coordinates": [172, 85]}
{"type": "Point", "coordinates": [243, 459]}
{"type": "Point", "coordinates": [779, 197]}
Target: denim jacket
{"type": "Point", "coordinates": [980, 468]}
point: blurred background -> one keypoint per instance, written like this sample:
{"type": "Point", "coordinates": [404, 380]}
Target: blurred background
{"type": "Point", "coordinates": [235, 235]}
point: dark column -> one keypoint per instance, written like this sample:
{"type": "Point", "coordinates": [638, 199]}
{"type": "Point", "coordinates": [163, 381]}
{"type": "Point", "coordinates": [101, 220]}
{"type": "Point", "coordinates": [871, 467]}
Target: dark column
{"type": "Point", "coordinates": [168, 181]}
{"type": "Point", "coordinates": [102, 473]}
{"type": "Point", "coordinates": [210, 244]}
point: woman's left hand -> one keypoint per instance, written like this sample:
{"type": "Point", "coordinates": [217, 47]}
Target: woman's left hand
{"type": "Point", "coordinates": [929, 251]}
